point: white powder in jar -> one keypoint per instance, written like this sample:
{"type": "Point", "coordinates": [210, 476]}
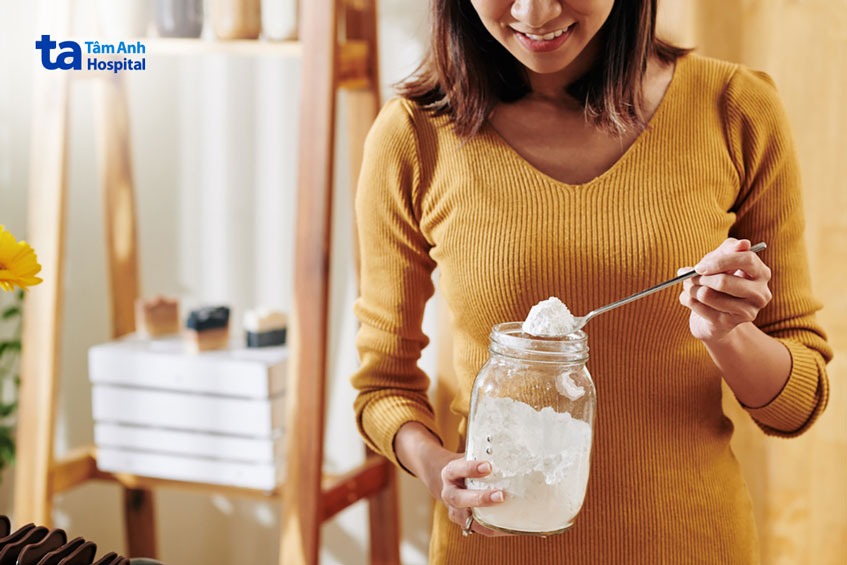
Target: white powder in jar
{"type": "Point", "coordinates": [549, 318]}
{"type": "Point", "coordinates": [540, 459]}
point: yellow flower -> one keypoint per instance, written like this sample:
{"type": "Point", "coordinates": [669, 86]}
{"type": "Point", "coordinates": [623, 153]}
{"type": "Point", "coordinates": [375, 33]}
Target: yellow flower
{"type": "Point", "coordinates": [18, 263]}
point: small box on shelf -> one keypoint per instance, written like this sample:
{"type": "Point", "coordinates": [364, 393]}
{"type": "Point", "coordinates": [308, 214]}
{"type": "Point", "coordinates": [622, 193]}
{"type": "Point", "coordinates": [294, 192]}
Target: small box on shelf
{"type": "Point", "coordinates": [265, 328]}
{"type": "Point", "coordinates": [213, 416]}
{"type": "Point", "coordinates": [156, 316]}
{"type": "Point", "coordinates": [207, 329]}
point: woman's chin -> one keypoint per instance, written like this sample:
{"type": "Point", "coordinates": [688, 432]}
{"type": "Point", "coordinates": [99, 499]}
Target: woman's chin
{"type": "Point", "coordinates": [545, 67]}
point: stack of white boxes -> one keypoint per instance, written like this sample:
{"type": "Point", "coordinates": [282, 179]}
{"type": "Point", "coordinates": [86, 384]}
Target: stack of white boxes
{"type": "Point", "coordinates": [213, 417]}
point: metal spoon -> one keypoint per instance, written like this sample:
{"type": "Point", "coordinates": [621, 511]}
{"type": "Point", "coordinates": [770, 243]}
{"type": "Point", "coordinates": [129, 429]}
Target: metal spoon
{"type": "Point", "coordinates": [582, 320]}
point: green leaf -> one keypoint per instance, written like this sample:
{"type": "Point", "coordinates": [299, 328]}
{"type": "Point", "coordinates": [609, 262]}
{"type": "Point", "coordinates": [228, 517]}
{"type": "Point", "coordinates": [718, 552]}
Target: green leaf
{"type": "Point", "coordinates": [11, 311]}
{"type": "Point", "coordinates": [10, 346]}
{"type": "Point", "coordinates": [7, 446]}
{"type": "Point", "coordinates": [7, 410]}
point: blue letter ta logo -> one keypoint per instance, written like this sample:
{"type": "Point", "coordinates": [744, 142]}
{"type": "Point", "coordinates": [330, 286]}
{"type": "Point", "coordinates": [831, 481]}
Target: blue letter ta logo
{"type": "Point", "coordinates": [71, 58]}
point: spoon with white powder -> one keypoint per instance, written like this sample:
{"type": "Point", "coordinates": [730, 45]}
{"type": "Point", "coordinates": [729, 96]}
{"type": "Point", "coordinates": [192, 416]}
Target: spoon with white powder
{"type": "Point", "coordinates": [551, 318]}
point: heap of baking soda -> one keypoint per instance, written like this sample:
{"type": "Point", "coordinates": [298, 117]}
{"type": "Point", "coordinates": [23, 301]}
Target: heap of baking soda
{"type": "Point", "coordinates": [549, 318]}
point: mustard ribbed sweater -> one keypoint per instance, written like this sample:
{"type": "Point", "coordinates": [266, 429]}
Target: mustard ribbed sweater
{"type": "Point", "coordinates": [717, 160]}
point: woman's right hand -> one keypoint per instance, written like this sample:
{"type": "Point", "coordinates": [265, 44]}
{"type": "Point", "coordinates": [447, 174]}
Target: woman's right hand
{"type": "Point", "coordinates": [444, 474]}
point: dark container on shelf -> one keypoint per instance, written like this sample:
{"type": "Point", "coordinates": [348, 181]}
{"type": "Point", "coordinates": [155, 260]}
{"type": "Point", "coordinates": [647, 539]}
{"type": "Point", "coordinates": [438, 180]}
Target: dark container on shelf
{"type": "Point", "coordinates": [237, 19]}
{"type": "Point", "coordinates": [179, 18]}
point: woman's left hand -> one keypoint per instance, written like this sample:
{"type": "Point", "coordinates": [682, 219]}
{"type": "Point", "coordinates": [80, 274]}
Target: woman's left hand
{"type": "Point", "coordinates": [730, 289]}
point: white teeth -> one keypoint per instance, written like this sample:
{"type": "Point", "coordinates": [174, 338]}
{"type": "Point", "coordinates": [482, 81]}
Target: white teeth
{"type": "Point", "coordinates": [547, 36]}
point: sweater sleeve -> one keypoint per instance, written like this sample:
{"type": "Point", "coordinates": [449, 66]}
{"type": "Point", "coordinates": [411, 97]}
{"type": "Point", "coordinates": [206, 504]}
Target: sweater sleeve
{"type": "Point", "coordinates": [396, 282]}
{"type": "Point", "coordinates": [769, 208]}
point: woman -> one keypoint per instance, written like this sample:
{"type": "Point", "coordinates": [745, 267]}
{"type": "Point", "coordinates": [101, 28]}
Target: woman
{"type": "Point", "coordinates": [558, 148]}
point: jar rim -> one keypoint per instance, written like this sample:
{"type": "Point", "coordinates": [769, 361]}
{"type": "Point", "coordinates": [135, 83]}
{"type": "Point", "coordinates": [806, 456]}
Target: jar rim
{"type": "Point", "coordinates": [510, 335]}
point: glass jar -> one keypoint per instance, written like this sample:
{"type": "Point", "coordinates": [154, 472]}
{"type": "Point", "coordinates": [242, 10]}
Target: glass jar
{"type": "Point", "coordinates": [179, 18]}
{"type": "Point", "coordinates": [237, 19]}
{"type": "Point", "coordinates": [532, 416]}
{"type": "Point", "coordinates": [279, 19]}
{"type": "Point", "coordinates": [123, 20]}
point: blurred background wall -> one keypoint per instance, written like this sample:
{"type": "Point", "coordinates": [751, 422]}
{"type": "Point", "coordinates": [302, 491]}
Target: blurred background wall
{"type": "Point", "coordinates": [798, 487]}
{"type": "Point", "coordinates": [214, 152]}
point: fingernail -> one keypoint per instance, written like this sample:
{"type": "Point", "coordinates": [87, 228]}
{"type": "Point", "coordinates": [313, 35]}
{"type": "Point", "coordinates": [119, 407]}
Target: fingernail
{"type": "Point", "coordinates": [497, 497]}
{"type": "Point", "coordinates": [484, 467]}
{"type": "Point", "coordinates": [701, 268]}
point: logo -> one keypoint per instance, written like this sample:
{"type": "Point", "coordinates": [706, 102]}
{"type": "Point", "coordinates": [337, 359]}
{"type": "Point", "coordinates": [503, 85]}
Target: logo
{"type": "Point", "coordinates": [106, 56]}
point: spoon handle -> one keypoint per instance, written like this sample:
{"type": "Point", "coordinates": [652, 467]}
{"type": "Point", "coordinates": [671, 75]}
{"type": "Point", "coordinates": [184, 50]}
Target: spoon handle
{"type": "Point", "coordinates": [678, 279]}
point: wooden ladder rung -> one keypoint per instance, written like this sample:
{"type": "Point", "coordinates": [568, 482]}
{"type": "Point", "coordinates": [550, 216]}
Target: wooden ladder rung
{"type": "Point", "coordinates": [138, 482]}
{"type": "Point", "coordinates": [362, 482]}
{"type": "Point", "coordinates": [353, 64]}
{"type": "Point", "coordinates": [78, 466]}
{"type": "Point", "coordinates": [339, 492]}
{"type": "Point", "coordinates": [359, 5]}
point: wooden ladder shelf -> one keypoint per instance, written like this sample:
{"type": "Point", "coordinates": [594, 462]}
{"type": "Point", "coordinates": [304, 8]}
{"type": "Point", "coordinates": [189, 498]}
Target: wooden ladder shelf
{"type": "Point", "coordinates": [308, 497]}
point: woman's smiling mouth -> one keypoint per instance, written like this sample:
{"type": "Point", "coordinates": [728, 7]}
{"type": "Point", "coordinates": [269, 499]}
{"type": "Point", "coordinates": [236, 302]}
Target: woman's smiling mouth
{"type": "Point", "coordinates": [544, 42]}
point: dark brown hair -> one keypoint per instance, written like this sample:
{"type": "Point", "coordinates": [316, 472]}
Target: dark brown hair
{"type": "Point", "coordinates": [467, 71]}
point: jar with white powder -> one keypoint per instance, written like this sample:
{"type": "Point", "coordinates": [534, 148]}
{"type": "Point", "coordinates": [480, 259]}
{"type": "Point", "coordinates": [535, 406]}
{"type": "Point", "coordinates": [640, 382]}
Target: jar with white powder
{"type": "Point", "coordinates": [532, 415]}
